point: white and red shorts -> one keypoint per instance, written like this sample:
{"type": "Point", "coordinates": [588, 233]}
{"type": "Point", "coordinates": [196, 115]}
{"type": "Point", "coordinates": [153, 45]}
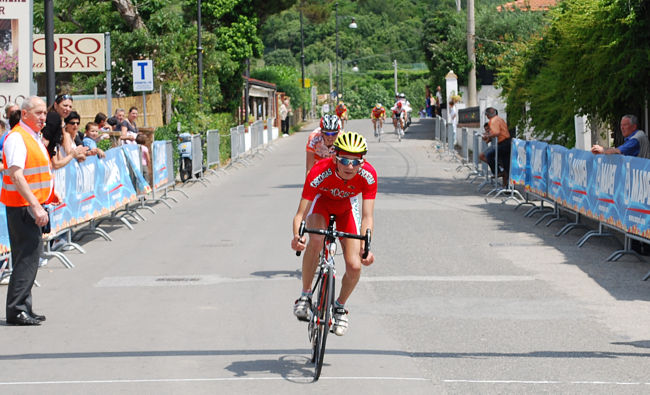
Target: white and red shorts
{"type": "Point", "coordinates": [347, 211]}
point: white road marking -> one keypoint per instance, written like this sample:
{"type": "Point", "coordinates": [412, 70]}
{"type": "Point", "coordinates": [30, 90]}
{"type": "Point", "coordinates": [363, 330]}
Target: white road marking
{"type": "Point", "coordinates": [207, 379]}
{"type": "Point", "coordinates": [488, 279]}
{"type": "Point", "coordinates": [544, 382]}
{"type": "Point", "coordinates": [211, 279]}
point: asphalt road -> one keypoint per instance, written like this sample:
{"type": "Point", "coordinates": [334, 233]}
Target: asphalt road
{"type": "Point", "coordinates": [466, 296]}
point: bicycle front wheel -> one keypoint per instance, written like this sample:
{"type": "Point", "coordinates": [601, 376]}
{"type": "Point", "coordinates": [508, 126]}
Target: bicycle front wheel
{"type": "Point", "coordinates": [322, 322]}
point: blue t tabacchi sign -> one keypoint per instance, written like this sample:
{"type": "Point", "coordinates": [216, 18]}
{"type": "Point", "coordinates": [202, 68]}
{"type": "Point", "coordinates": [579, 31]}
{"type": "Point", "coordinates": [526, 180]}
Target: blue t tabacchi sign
{"type": "Point", "coordinates": [605, 192]}
{"type": "Point", "coordinates": [579, 169]}
{"type": "Point", "coordinates": [556, 173]}
{"type": "Point", "coordinates": [636, 196]}
{"type": "Point", "coordinates": [519, 163]}
{"type": "Point", "coordinates": [538, 159]}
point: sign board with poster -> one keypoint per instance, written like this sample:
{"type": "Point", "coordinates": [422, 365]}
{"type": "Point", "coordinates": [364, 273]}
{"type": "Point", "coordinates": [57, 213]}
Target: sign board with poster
{"type": "Point", "coordinates": [15, 51]}
{"type": "Point", "coordinates": [469, 117]}
{"type": "Point", "coordinates": [72, 53]}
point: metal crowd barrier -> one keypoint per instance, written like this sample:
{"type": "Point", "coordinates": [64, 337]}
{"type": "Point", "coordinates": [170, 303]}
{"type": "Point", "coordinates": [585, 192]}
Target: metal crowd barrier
{"type": "Point", "coordinates": [213, 140]}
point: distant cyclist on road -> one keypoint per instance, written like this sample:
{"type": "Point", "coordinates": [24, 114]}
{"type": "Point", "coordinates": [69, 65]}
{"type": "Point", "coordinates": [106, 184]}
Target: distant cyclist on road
{"type": "Point", "coordinates": [320, 143]}
{"type": "Point", "coordinates": [342, 113]}
{"type": "Point", "coordinates": [378, 116]}
{"type": "Point", "coordinates": [345, 186]}
{"type": "Point", "coordinates": [399, 114]}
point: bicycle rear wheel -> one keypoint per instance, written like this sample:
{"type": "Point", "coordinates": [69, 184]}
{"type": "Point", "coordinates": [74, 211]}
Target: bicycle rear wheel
{"type": "Point", "coordinates": [321, 323]}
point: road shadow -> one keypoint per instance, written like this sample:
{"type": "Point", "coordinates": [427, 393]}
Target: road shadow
{"type": "Point", "coordinates": [621, 279]}
{"type": "Point", "coordinates": [423, 186]}
{"type": "Point", "coordinates": [293, 368]}
{"type": "Point", "coordinates": [297, 360]}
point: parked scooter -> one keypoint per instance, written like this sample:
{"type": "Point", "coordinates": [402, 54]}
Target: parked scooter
{"type": "Point", "coordinates": [185, 152]}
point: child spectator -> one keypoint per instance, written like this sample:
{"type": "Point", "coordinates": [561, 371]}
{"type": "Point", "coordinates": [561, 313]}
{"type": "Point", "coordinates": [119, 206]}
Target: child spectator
{"type": "Point", "coordinates": [142, 141]}
{"type": "Point", "coordinates": [90, 140]}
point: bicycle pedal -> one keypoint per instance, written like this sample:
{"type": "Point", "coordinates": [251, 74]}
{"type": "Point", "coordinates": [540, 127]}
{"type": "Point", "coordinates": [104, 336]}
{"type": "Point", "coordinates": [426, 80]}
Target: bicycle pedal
{"type": "Point", "coordinates": [305, 319]}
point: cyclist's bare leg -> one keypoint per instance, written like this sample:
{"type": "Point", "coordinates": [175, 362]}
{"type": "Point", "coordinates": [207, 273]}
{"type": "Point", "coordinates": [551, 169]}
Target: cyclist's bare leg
{"type": "Point", "coordinates": [352, 258]}
{"type": "Point", "coordinates": [314, 246]}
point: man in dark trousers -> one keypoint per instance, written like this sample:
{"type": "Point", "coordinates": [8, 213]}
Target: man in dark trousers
{"type": "Point", "coordinates": [27, 184]}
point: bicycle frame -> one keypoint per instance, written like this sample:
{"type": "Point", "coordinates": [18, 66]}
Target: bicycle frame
{"type": "Point", "coordinates": [320, 321]}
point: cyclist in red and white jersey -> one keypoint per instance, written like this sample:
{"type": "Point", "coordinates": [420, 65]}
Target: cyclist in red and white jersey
{"type": "Point", "coordinates": [346, 186]}
{"type": "Point", "coordinates": [320, 143]}
{"type": "Point", "coordinates": [399, 114]}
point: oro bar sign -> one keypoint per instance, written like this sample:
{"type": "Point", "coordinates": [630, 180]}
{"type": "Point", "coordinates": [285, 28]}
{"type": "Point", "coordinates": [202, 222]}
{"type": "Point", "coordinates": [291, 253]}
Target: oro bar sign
{"type": "Point", "coordinates": [72, 53]}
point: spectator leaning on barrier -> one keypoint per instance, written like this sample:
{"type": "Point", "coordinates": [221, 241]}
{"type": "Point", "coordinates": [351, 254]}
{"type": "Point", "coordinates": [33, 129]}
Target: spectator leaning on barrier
{"type": "Point", "coordinates": [635, 142]}
{"type": "Point", "coordinates": [54, 137]}
{"type": "Point", "coordinates": [129, 128]}
{"type": "Point", "coordinates": [72, 122]}
{"type": "Point", "coordinates": [27, 184]}
{"type": "Point", "coordinates": [142, 141]}
{"type": "Point", "coordinates": [498, 128]}
{"type": "Point", "coordinates": [91, 137]}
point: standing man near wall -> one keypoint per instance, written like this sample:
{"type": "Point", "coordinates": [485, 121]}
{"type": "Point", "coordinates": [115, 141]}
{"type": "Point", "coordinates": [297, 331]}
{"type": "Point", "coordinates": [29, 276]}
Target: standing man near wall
{"type": "Point", "coordinates": [27, 184]}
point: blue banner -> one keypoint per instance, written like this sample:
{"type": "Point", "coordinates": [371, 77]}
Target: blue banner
{"type": "Point", "coordinates": [519, 164]}
{"type": "Point", "coordinates": [134, 158]}
{"type": "Point", "coordinates": [605, 192]}
{"type": "Point", "coordinates": [160, 170]}
{"type": "Point", "coordinates": [4, 232]}
{"type": "Point", "coordinates": [538, 168]}
{"type": "Point", "coordinates": [579, 170]}
{"type": "Point", "coordinates": [636, 196]}
{"type": "Point", "coordinates": [88, 205]}
{"type": "Point", "coordinates": [65, 183]}
{"type": "Point", "coordinates": [117, 179]}
{"type": "Point", "coordinates": [557, 168]}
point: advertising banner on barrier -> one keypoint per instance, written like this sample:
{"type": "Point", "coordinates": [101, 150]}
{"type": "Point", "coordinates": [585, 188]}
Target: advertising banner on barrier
{"type": "Point", "coordinates": [578, 172]}
{"type": "Point", "coordinates": [117, 180]}
{"type": "Point", "coordinates": [605, 192]}
{"type": "Point", "coordinates": [65, 183]}
{"type": "Point", "coordinates": [636, 196]}
{"type": "Point", "coordinates": [160, 169]}
{"type": "Point", "coordinates": [134, 159]}
{"type": "Point", "coordinates": [519, 167]}
{"type": "Point", "coordinates": [89, 205]}
{"type": "Point", "coordinates": [557, 159]}
{"type": "Point", "coordinates": [4, 232]}
{"type": "Point", "coordinates": [538, 168]}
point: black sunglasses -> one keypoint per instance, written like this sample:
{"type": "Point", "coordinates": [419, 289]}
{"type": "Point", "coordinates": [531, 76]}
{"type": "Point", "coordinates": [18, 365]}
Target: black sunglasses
{"type": "Point", "coordinates": [73, 123]}
{"type": "Point", "coordinates": [61, 98]}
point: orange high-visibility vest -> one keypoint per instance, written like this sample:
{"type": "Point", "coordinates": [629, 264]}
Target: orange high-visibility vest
{"type": "Point", "coordinates": [37, 172]}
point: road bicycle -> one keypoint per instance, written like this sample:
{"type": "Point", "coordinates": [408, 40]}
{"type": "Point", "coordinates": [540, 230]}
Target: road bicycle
{"type": "Point", "coordinates": [379, 128]}
{"type": "Point", "coordinates": [320, 318]}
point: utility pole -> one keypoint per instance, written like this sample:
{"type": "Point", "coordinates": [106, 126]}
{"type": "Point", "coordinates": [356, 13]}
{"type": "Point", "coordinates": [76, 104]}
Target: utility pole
{"type": "Point", "coordinates": [471, 55]}
{"type": "Point", "coordinates": [338, 87]}
{"type": "Point", "coordinates": [302, 58]}
{"type": "Point", "coordinates": [49, 51]}
{"type": "Point", "coordinates": [395, 74]}
{"type": "Point", "coordinates": [199, 53]}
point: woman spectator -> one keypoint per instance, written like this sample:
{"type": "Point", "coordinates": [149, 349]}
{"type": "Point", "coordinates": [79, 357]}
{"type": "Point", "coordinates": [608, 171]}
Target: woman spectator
{"type": "Point", "coordinates": [129, 128]}
{"type": "Point", "coordinates": [54, 138]}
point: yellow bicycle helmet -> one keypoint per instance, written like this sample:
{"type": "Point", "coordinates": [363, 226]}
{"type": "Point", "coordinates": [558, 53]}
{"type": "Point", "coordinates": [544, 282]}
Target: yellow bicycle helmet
{"type": "Point", "coordinates": [351, 142]}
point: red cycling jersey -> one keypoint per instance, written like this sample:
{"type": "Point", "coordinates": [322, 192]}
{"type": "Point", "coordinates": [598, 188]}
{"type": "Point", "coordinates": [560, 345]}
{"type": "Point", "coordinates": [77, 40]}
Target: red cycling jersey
{"type": "Point", "coordinates": [316, 144]}
{"type": "Point", "coordinates": [322, 179]}
{"type": "Point", "coordinates": [378, 112]}
{"type": "Point", "coordinates": [333, 195]}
